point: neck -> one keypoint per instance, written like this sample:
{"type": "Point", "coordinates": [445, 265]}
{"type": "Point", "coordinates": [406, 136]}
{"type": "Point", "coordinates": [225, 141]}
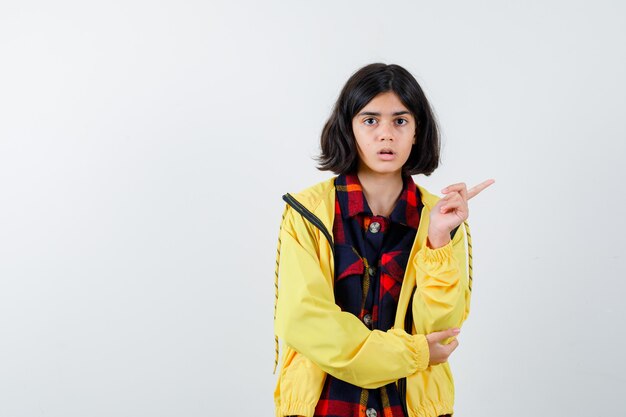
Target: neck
{"type": "Point", "coordinates": [381, 191]}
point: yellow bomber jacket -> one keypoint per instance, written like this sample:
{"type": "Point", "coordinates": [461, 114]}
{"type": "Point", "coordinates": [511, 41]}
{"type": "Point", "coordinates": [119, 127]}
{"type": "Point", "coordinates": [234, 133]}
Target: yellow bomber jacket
{"type": "Point", "coordinates": [319, 339]}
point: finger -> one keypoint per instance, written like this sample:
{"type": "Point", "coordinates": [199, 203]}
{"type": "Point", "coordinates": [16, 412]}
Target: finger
{"type": "Point", "coordinates": [452, 346]}
{"type": "Point", "coordinates": [453, 204]}
{"type": "Point", "coordinates": [442, 335]}
{"type": "Point", "coordinates": [454, 207]}
{"type": "Point", "coordinates": [460, 207]}
{"type": "Point", "coordinates": [452, 197]}
{"type": "Point", "coordinates": [477, 189]}
{"type": "Point", "coordinates": [451, 194]}
{"type": "Point", "coordinates": [460, 187]}
{"type": "Point", "coordinates": [454, 343]}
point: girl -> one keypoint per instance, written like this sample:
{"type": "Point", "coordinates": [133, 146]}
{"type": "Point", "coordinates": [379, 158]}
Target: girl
{"type": "Point", "coordinates": [375, 271]}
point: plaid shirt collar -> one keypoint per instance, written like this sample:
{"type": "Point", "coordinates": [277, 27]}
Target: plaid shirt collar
{"type": "Point", "coordinates": [352, 200]}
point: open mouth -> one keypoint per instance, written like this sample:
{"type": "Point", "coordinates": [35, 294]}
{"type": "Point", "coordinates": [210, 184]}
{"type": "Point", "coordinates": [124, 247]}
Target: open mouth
{"type": "Point", "coordinates": [386, 154]}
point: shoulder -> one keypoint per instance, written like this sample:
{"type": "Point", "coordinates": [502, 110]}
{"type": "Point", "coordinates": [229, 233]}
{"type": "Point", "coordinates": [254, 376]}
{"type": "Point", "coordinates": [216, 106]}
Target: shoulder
{"type": "Point", "coordinates": [311, 197]}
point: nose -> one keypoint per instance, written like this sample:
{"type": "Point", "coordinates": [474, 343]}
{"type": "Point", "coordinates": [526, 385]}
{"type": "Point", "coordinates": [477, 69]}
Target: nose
{"type": "Point", "coordinates": [385, 132]}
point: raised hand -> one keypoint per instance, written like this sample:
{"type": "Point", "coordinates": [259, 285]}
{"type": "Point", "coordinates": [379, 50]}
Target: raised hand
{"type": "Point", "coordinates": [451, 211]}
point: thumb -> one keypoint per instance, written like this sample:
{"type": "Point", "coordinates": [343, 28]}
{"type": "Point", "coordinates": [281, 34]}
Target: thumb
{"type": "Point", "coordinates": [442, 335]}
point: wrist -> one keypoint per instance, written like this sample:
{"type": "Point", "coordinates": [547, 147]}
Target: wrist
{"type": "Point", "coordinates": [437, 239]}
{"type": "Point", "coordinates": [437, 242]}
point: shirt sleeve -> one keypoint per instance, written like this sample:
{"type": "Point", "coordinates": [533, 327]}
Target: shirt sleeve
{"type": "Point", "coordinates": [309, 321]}
{"type": "Point", "coordinates": [442, 295]}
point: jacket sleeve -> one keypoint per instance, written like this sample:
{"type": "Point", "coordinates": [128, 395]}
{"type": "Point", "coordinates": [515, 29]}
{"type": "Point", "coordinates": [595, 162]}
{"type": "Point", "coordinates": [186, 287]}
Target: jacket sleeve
{"type": "Point", "coordinates": [443, 287]}
{"type": "Point", "coordinates": [309, 321]}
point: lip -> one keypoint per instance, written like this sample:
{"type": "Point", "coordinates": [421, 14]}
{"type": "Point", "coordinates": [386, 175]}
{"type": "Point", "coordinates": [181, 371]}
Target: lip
{"type": "Point", "coordinates": [388, 154]}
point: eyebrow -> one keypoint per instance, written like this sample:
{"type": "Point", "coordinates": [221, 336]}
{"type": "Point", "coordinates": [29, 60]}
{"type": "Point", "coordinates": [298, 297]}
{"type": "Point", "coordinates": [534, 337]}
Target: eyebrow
{"type": "Point", "coordinates": [372, 113]}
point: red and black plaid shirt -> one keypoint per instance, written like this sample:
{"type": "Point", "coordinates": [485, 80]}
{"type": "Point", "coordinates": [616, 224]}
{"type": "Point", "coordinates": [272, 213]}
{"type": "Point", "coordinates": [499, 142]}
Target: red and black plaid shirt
{"type": "Point", "coordinates": [371, 253]}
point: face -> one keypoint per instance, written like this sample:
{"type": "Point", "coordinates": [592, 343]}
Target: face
{"type": "Point", "coordinates": [385, 132]}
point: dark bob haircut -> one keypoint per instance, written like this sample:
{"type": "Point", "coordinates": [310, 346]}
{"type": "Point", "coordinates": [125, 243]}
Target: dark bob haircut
{"type": "Point", "coordinates": [338, 145]}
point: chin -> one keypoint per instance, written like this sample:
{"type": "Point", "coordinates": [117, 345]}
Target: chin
{"type": "Point", "coordinates": [386, 170]}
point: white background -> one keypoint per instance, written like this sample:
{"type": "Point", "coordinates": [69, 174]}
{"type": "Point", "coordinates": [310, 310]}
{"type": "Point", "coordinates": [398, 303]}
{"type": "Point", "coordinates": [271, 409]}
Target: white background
{"type": "Point", "coordinates": [145, 146]}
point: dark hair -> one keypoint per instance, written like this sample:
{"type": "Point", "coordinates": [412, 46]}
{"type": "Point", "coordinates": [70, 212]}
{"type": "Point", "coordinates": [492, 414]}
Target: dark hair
{"type": "Point", "coordinates": [338, 145]}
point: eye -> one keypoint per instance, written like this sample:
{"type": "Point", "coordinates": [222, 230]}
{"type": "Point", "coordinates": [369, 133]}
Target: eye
{"type": "Point", "coordinates": [401, 122]}
{"type": "Point", "coordinates": [369, 121]}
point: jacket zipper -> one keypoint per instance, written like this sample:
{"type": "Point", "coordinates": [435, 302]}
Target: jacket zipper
{"type": "Point", "coordinates": [306, 213]}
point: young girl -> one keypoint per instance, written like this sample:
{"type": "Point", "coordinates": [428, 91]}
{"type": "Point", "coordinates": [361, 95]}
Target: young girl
{"type": "Point", "coordinates": [375, 272]}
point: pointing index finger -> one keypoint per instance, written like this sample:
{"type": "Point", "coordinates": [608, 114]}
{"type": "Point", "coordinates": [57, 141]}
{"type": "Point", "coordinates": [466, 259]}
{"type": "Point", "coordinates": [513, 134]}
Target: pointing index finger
{"type": "Point", "coordinates": [472, 192]}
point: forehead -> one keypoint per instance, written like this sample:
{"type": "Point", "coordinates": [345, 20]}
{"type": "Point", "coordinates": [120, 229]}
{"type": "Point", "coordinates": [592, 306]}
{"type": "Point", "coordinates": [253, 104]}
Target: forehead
{"type": "Point", "coordinates": [387, 102]}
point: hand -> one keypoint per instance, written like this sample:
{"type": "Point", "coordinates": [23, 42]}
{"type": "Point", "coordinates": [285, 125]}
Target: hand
{"type": "Point", "coordinates": [451, 211]}
{"type": "Point", "coordinates": [439, 353]}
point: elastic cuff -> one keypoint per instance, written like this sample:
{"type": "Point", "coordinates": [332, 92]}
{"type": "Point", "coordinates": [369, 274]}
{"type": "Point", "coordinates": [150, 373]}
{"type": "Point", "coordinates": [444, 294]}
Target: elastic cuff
{"type": "Point", "coordinates": [417, 346]}
{"type": "Point", "coordinates": [422, 350]}
{"type": "Point", "coordinates": [439, 255]}
{"type": "Point", "coordinates": [295, 408]}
